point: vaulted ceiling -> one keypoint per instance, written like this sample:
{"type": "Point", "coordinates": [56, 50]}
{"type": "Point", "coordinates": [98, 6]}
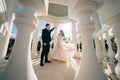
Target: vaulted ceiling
{"type": "Point", "coordinates": [58, 8]}
{"type": "Point", "coordinates": [57, 11]}
{"type": "Point", "coordinates": [61, 2]}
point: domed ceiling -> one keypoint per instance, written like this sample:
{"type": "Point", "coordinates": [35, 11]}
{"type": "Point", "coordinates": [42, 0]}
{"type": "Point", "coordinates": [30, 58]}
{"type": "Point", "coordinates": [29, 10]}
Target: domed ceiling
{"type": "Point", "coordinates": [58, 10]}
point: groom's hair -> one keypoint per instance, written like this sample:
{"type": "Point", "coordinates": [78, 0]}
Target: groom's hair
{"type": "Point", "coordinates": [47, 24]}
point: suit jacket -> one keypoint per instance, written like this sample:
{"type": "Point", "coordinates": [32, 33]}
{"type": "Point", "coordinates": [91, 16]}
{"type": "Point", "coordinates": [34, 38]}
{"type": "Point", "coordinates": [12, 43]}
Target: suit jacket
{"type": "Point", "coordinates": [46, 38]}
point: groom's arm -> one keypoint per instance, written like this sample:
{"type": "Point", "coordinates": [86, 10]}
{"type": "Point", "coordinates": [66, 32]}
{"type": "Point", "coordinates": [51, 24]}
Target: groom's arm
{"type": "Point", "coordinates": [51, 29]}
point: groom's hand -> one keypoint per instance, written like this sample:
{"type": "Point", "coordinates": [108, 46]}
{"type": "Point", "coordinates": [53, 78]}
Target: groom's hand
{"type": "Point", "coordinates": [44, 44]}
{"type": "Point", "coordinates": [54, 27]}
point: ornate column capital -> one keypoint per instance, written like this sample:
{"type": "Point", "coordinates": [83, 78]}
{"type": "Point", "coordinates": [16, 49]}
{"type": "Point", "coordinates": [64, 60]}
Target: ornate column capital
{"type": "Point", "coordinates": [81, 7]}
{"type": "Point", "coordinates": [28, 14]}
{"type": "Point", "coordinates": [87, 7]}
{"type": "Point", "coordinates": [85, 15]}
{"type": "Point", "coordinates": [41, 6]}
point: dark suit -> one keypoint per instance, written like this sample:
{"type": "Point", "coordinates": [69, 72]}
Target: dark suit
{"type": "Point", "coordinates": [46, 38]}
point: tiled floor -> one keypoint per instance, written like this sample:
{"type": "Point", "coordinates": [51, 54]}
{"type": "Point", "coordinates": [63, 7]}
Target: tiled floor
{"type": "Point", "coordinates": [56, 70]}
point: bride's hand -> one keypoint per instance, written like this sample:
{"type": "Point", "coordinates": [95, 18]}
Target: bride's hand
{"type": "Point", "coordinates": [56, 24]}
{"type": "Point", "coordinates": [55, 27]}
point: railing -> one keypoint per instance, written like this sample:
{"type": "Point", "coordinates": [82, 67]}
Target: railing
{"type": "Point", "coordinates": [3, 18]}
{"type": "Point", "coordinates": [106, 50]}
{"type": "Point", "coordinates": [2, 30]}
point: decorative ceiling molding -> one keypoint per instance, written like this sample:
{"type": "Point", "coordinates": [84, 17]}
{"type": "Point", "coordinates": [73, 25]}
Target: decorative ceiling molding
{"type": "Point", "coordinates": [57, 10]}
{"type": "Point", "coordinates": [41, 6]}
{"type": "Point", "coordinates": [76, 7]}
{"type": "Point", "coordinates": [61, 2]}
{"type": "Point", "coordinates": [54, 19]}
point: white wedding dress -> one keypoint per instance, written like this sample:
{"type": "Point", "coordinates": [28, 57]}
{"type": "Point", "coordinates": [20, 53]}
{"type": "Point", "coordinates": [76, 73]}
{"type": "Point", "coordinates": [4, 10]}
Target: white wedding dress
{"type": "Point", "coordinates": [62, 50]}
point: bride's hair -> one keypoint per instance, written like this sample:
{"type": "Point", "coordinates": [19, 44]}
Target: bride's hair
{"type": "Point", "coordinates": [62, 33]}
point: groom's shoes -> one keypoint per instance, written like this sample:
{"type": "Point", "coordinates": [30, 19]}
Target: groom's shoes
{"type": "Point", "coordinates": [41, 64]}
{"type": "Point", "coordinates": [48, 61]}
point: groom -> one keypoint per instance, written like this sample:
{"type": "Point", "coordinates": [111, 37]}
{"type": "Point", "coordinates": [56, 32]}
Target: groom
{"type": "Point", "coordinates": [46, 38]}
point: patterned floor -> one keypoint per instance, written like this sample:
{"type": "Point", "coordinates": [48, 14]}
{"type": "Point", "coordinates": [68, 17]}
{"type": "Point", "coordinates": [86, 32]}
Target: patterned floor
{"type": "Point", "coordinates": [56, 70]}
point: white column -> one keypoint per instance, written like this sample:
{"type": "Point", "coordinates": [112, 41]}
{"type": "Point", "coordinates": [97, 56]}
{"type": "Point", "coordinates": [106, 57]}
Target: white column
{"type": "Point", "coordinates": [5, 39]}
{"type": "Point", "coordinates": [3, 47]}
{"type": "Point", "coordinates": [34, 43]}
{"type": "Point", "coordinates": [97, 23]}
{"type": "Point", "coordinates": [55, 32]}
{"type": "Point", "coordinates": [116, 32]}
{"type": "Point", "coordinates": [20, 66]}
{"type": "Point", "coordinates": [89, 68]}
{"type": "Point", "coordinates": [98, 45]}
{"type": "Point", "coordinates": [74, 35]}
{"type": "Point", "coordinates": [98, 48]}
{"type": "Point", "coordinates": [2, 41]}
{"type": "Point", "coordinates": [110, 54]}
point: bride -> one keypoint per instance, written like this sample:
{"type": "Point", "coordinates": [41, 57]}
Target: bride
{"type": "Point", "coordinates": [62, 50]}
